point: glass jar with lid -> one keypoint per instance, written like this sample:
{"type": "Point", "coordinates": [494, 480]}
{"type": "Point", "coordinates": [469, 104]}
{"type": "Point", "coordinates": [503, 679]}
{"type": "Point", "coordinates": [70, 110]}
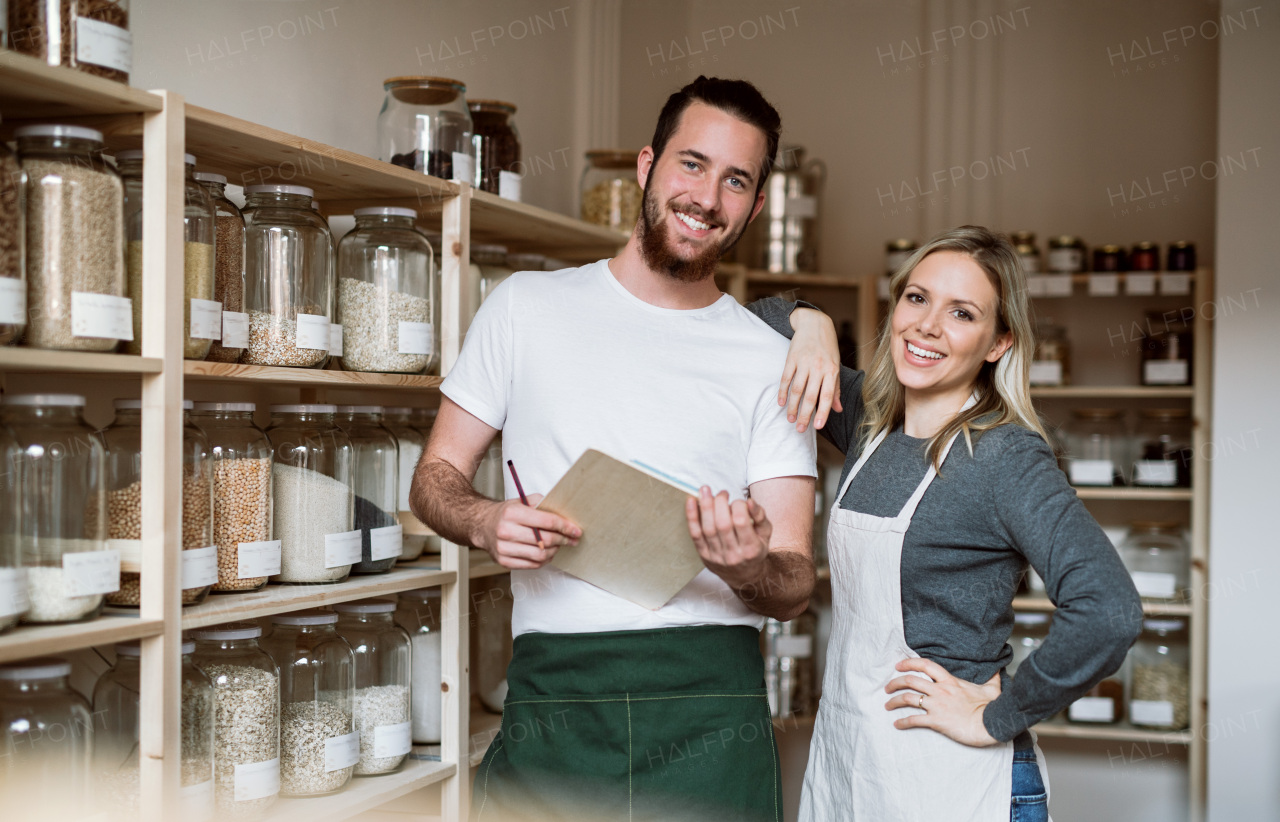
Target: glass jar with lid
{"type": "Point", "coordinates": [388, 294]}
{"type": "Point", "coordinates": [246, 730]}
{"type": "Point", "coordinates": [418, 612]}
{"type": "Point", "coordinates": [228, 270]}
{"type": "Point", "coordinates": [61, 488]}
{"type": "Point", "coordinates": [1181, 257]}
{"type": "Point", "coordinates": [375, 477]}
{"type": "Point", "coordinates": [1145, 257]}
{"type": "Point", "coordinates": [497, 148]}
{"type": "Point", "coordinates": [46, 740]}
{"type": "Point", "coordinates": [75, 241]}
{"type": "Point", "coordinates": [383, 677]}
{"type": "Point", "coordinates": [1160, 696]}
{"type": "Point", "coordinates": [1167, 357]}
{"type": "Point", "coordinates": [409, 446]}
{"type": "Point", "coordinates": [13, 577]}
{"type": "Point", "coordinates": [311, 497]}
{"type": "Point", "coordinates": [91, 36]}
{"type": "Point", "coordinates": [896, 253]}
{"type": "Point", "coordinates": [319, 745]}
{"type": "Point", "coordinates": [1029, 632]}
{"type": "Point", "coordinates": [611, 196]}
{"type": "Point", "coordinates": [288, 277]}
{"type": "Point", "coordinates": [1159, 560]}
{"type": "Point", "coordinates": [1024, 243]}
{"type": "Point", "coordinates": [1096, 452]}
{"type": "Point", "coordinates": [1104, 703]}
{"type": "Point", "coordinates": [1066, 255]}
{"type": "Point", "coordinates": [1163, 448]}
{"type": "Point", "coordinates": [1110, 258]}
{"type": "Point", "coordinates": [492, 261]}
{"type": "Point", "coordinates": [425, 125]}
{"type": "Point", "coordinates": [13, 265]}
{"type": "Point", "coordinates": [1052, 363]}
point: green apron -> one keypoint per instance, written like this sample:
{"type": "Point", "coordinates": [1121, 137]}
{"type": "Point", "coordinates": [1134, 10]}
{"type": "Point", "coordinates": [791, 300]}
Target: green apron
{"type": "Point", "coordinates": [657, 726]}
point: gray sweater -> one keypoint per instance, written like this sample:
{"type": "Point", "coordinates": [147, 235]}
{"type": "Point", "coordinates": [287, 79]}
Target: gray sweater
{"type": "Point", "coordinates": [985, 517]}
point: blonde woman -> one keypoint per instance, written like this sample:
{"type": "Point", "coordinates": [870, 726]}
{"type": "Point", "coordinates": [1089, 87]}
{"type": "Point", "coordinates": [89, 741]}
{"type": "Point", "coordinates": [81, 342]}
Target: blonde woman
{"type": "Point", "coordinates": [950, 490]}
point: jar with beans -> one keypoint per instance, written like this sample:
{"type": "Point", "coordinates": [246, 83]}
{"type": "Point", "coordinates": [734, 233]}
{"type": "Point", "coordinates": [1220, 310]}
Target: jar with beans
{"type": "Point", "coordinates": [382, 673]}
{"type": "Point", "coordinates": [87, 35]}
{"type": "Point", "coordinates": [425, 125]}
{"type": "Point", "coordinates": [228, 270]}
{"type": "Point", "coordinates": [611, 196]}
{"type": "Point", "coordinates": [497, 147]}
{"type": "Point", "coordinates": [375, 475]}
{"type": "Point", "coordinates": [13, 271]}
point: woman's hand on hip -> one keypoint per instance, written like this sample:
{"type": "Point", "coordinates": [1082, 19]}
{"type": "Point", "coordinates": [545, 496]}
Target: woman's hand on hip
{"type": "Point", "coordinates": [810, 385]}
{"type": "Point", "coordinates": [953, 707]}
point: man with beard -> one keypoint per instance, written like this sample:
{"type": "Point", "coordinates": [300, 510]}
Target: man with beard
{"type": "Point", "coordinates": [615, 711]}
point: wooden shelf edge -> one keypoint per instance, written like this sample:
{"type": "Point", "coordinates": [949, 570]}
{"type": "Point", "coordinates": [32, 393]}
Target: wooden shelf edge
{"type": "Point", "coordinates": [48, 91]}
{"type": "Point", "coordinates": [1042, 604]}
{"type": "Point", "coordinates": [755, 277]}
{"type": "Point", "coordinates": [1112, 391]}
{"type": "Point", "coordinates": [26, 641]}
{"type": "Point", "coordinates": [235, 372]}
{"type": "Point", "coordinates": [361, 794]}
{"type": "Point", "coordinates": [1147, 494]}
{"type": "Point", "coordinates": [1111, 733]}
{"type": "Point", "coordinates": [36, 359]}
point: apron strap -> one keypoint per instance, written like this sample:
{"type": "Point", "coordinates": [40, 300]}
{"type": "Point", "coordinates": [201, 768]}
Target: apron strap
{"type": "Point", "coordinates": [857, 466]}
{"type": "Point", "coordinates": [909, 510]}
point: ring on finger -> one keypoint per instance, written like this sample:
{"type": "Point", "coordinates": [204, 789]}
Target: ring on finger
{"type": "Point", "coordinates": [920, 705]}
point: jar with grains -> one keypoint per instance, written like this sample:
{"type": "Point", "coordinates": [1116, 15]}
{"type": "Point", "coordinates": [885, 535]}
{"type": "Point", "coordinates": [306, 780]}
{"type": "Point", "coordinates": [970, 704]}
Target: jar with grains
{"type": "Point", "coordinates": [409, 445]}
{"type": "Point", "coordinates": [242, 457]}
{"type": "Point", "coordinates": [228, 270]}
{"type": "Point", "coordinates": [319, 746]}
{"type": "Point", "coordinates": [13, 577]}
{"type": "Point", "coordinates": [418, 612]}
{"type": "Point", "coordinates": [246, 718]}
{"type": "Point", "coordinates": [1161, 658]}
{"type": "Point", "coordinates": [388, 294]}
{"type": "Point", "coordinates": [1159, 560]}
{"type": "Point", "coordinates": [611, 196]}
{"type": "Point", "coordinates": [494, 268]}
{"type": "Point", "coordinates": [1052, 363]}
{"type": "Point", "coordinates": [1066, 255]}
{"type": "Point", "coordinates": [46, 739]}
{"type": "Point", "coordinates": [88, 35]}
{"type": "Point", "coordinates": [288, 277]}
{"type": "Point", "coordinates": [1164, 449]}
{"type": "Point", "coordinates": [497, 148]}
{"type": "Point", "coordinates": [311, 498]}
{"type": "Point", "coordinates": [425, 125]}
{"type": "Point", "coordinates": [123, 441]}
{"type": "Point", "coordinates": [1097, 452]}
{"type": "Point", "coordinates": [117, 710]}
{"type": "Point", "coordinates": [13, 267]}
{"type": "Point", "coordinates": [1029, 632]}
{"type": "Point", "coordinates": [75, 241]}
{"type": "Point", "coordinates": [382, 679]}
{"type": "Point", "coordinates": [375, 477]}
{"type": "Point", "coordinates": [61, 488]}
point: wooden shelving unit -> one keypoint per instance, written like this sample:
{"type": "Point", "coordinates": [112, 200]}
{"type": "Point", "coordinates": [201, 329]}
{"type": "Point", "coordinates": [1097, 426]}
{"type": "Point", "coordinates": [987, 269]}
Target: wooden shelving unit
{"type": "Point", "coordinates": [41, 640]}
{"type": "Point", "coordinates": [1112, 733]}
{"type": "Point", "coordinates": [1136, 494]}
{"type": "Point", "coordinates": [273, 375]}
{"type": "Point", "coordinates": [75, 362]}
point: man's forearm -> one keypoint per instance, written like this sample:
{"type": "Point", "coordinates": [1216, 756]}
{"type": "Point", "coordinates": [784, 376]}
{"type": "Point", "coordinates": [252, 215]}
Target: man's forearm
{"type": "Point", "coordinates": [446, 501]}
{"type": "Point", "coordinates": [783, 591]}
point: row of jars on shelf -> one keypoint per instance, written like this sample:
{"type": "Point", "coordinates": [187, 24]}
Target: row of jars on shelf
{"type": "Point", "coordinates": [323, 696]}
{"type": "Point", "coordinates": [1068, 254]}
{"type": "Point", "coordinates": [1099, 449]}
{"type": "Point", "coordinates": [315, 497]}
{"type": "Point", "coordinates": [1157, 555]}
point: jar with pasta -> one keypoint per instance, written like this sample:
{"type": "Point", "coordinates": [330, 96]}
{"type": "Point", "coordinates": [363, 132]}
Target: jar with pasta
{"type": "Point", "coordinates": [228, 270]}
{"type": "Point", "coordinates": [13, 273]}
{"type": "Point", "coordinates": [611, 196]}
{"type": "Point", "coordinates": [87, 35]}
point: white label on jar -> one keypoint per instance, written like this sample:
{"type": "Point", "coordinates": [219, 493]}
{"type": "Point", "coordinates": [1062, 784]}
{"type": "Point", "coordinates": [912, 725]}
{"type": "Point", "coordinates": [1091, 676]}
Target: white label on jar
{"type": "Point", "coordinates": [409, 456]}
{"type": "Point", "coordinates": [1093, 709]}
{"type": "Point", "coordinates": [1066, 259]}
{"type": "Point", "coordinates": [464, 168]}
{"type": "Point", "coordinates": [101, 315]}
{"type": "Point", "coordinates": [1030, 263]}
{"type": "Point", "coordinates": [13, 591]}
{"type": "Point", "coordinates": [1175, 283]}
{"type": "Point", "coordinates": [258, 559]}
{"type": "Point", "coordinates": [415, 338]}
{"type": "Point", "coordinates": [257, 780]}
{"type": "Point", "coordinates": [801, 207]}
{"type": "Point", "coordinates": [103, 44]}
{"type": "Point", "coordinates": [335, 339]}
{"type": "Point", "coordinates": [1148, 712]}
{"type": "Point", "coordinates": [199, 567]}
{"type": "Point", "coordinates": [313, 332]}
{"type": "Point", "coordinates": [88, 573]}
{"type": "Point", "coordinates": [509, 185]}
{"type": "Point", "coordinates": [197, 802]}
{"type": "Point", "coordinates": [235, 329]}
{"type": "Point", "coordinates": [386, 542]}
{"type": "Point", "coordinates": [341, 549]}
{"type": "Point", "coordinates": [1092, 472]}
{"type": "Point", "coordinates": [1035, 286]}
{"type": "Point", "coordinates": [1046, 372]}
{"type": "Point", "coordinates": [13, 301]}
{"type": "Point", "coordinates": [796, 647]}
{"type": "Point", "coordinates": [392, 740]}
{"type": "Point", "coordinates": [1155, 585]}
{"type": "Point", "coordinates": [1164, 372]}
{"type": "Point", "coordinates": [1155, 472]}
{"type": "Point", "coordinates": [882, 288]}
{"type": "Point", "coordinates": [206, 319]}
{"type": "Point", "coordinates": [1057, 285]}
{"type": "Point", "coordinates": [1139, 285]}
{"type": "Point", "coordinates": [341, 752]}
{"type": "Point", "coordinates": [1104, 285]}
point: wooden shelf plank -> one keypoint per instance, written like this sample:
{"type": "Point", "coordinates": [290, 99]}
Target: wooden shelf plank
{"type": "Point", "coordinates": [769, 278]}
{"type": "Point", "coordinates": [1148, 494]}
{"type": "Point", "coordinates": [35, 359]}
{"type": "Point", "coordinates": [29, 89]}
{"type": "Point", "coordinates": [1113, 392]}
{"type": "Point", "coordinates": [526, 228]}
{"type": "Point", "coordinates": [41, 640]}
{"type": "Point", "coordinates": [234, 372]}
{"type": "Point", "coordinates": [1111, 733]}
{"type": "Point", "coordinates": [361, 793]}
{"type": "Point", "coordinates": [482, 566]}
{"type": "Point", "coordinates": [1039, 603]}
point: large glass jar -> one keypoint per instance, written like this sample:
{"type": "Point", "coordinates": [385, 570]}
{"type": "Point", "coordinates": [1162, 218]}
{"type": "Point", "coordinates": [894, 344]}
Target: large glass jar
{"type": "Point", "coordinates": [311, 498]}
{"type": "Point", "coordinates": [789, 666]}
{"type": "Point", "coordinates": [1163, 448]}
{"type": "Point", "coordinates": [425, 125]}
{"type": "Point", "coordinates": [288, 274]}
{"type": "Point", "coordinates": [242, 456]}
{"type": "Point", "coordinates": [492, 261]}
{"type": "Point", "coordinates": [1096, 451]}
{"type": "Point", "coordinates": [388, 294]}
{"type": "Point", "coordinates": [75, 241]}
{"type": "Point", "coordinates": [1067, 255]}
{"type": "Point", "coordinates": [13, 267]}
{"type": "Point", "coordinates": [319, 745]}
{"type": "Point", "coordinates": [1029, 632]}
{"type": "Point", "coordinates": [13, 577]}
{"type": "Point", "coordinates": [418, 612]}
{"type": "Point", "coordinates": [62, 487]}
{"type": "Point", "coordinates": [228, 270]}
{"type": "Point", "coordinates": [1159, 560]}
{"type": "Point", "coordinates": [1160, 696]}
{"type": "Point", "coordinates": [1167, 352]}
{"type": "Point", "coordinates": [497, 148]}
{"type": "Point", "coordinates": [409, 445]}
{"type": "Point", "coordinates": [611, 196]}
{"type": "Point", "coordinates": [246, 726]}
{"type": "Point", "coordinates": [46, 739]}
{"type": "Point", "coordinates": [383, 676]}
{"type": "Point", "coordinates": [375, 476]}
{"type": "Point", "coordinates": [88, 35]}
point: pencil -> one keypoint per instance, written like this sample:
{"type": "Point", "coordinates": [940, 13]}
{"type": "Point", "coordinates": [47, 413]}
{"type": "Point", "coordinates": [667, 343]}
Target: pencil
{"type": "Point", "coordinates": [520, 490]}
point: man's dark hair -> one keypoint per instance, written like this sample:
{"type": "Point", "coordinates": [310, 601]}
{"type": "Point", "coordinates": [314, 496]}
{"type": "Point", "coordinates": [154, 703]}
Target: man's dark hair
{"type": "Point", "coordinates": [735, 97]}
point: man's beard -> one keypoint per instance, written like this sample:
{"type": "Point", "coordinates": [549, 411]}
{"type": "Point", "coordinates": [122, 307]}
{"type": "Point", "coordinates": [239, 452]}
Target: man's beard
{"type": "Point", "coordinates": [657, 254]}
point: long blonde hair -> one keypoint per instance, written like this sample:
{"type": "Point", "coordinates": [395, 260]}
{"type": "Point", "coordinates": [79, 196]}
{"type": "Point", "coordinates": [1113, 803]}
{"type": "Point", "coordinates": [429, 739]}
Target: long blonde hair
{"type": "Point", "coordinates": [1003, 387]}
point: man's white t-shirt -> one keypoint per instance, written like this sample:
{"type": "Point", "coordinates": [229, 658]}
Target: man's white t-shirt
{"type": "Point", "coordinates": [569, 360]}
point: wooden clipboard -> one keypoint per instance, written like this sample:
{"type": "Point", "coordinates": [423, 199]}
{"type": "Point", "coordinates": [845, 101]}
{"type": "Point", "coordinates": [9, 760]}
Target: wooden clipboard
{"type": "Point", "coordinates": [635, 535]}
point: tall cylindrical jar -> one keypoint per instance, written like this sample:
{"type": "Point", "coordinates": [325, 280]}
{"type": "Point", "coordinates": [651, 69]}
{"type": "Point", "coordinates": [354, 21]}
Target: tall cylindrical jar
{"type": "Point", "coordinates": [418, 612]}
{"type": "Point", "coordinates": [497, 148]}
{"type": "Point", "coordinates": [63, 517]}
{"type": "Point", "coordinates": [46, 739]}
{"type": "Point", "coordinates": [312, 502]}
{"type": "Point", "coordinates": [13, 267]}
{"type": "Point", "coordinates": [409, 445]}
{"type": "Point", "coordinates": [1161, 658]}
{"type": "Point", "coordinates": [228, 270]}
{"type": "Point", "coordinates": [383, 678]}
{"type": "Point", "coordinates": [1159, 560]}
{"type": "Point", "coordinates": [13, 577]}
{"type": "Point", "coordinates": [87, 35]}
{"type": "Point", "coordinates": [425, 125]}
{"type": "Point", "coordinates": [611, 196]}
{"type": "Point", "coordinates": [319, 746]}
{"type": "Point", "coordinates": [288, 271]}
{"type": "Point", "coordinates": [74, 241]}
{"type": "Point", "coordinates": [375, 475]}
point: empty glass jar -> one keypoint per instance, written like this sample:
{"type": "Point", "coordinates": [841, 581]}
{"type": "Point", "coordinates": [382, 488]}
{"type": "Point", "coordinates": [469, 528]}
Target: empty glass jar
{"type": "Point", "coordinates": [1096, 448]}
{"type": "Point", "coordinates": [375, 475]}
{"type": "Point", "coordinates": [1159, 560]}
{"type": "Point", "coordinates": [46, 739]}
{"type": "Point", "coordinates": [228, 270]}
{"type": "Point", "coordinates": [13, 268]}
{"type": "Point", "coordinates": [425, 125]}
{"type": "Point", "coordinates": [611, 196]}
{"type": "Point", "coordinates": [418, 612]}
{"type": "Point", "coordinates": [1163, 439]}
{"type": "Point", "coordinates": [492, 260]}
{"type": "Point", "coordinates": [383, 678]}
{"type": "Point", "coordinates": [1161, 666]}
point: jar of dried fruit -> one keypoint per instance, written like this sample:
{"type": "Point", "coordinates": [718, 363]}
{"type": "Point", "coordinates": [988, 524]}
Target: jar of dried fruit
{"type": "Point", "coordinates": [88, 35]}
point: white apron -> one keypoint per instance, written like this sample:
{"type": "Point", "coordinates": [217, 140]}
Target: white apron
{"type": "Point", "coordinates": [860, 766]}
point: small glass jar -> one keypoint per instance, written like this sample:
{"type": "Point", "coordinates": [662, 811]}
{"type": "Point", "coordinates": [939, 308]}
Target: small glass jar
{"type": "Point", "coordinates": [319, 745]}
{"type": "Point", "coordinates": [228, 270]}
{"type": "Point", "coordinates": [497, 148]}
{"type": "Point", "coordinates": [1159, 560]}
{"type": "Point", "coordinates": [388, 294]}
{"type": "Point", "coordinates": [789, 676]}
{"type": "Point", "coordinates": [242, 457]}
{"type": "Point", "coordinates": [46, 740]}
{"type": "Point", "coordinates": [1096, 447]}
{"type": "Point", "coordinates": [74, 242]}
{"type": "Point", "coordinates": [1066, 255]}
{"type": "Point", "coordinates": [425, 125]}
{"type": "Point", "coordinates": [87, 35]}
{"type": "Point", "coordinates": [375, 478]}
{"type": "Point", "coordinates": [246, 730]}
{"type": "Point", "coordinates": [1029, 632]}
{"type": "Point", "coordinates": [1160, 696]}
{"type": "Point", "coordinates": [13, 266]}
{"type": "Point", "coordinates": [1145, 256]}
{"type": "Point", "coordinates": [1052, 363]}
{"type": "Point", "coordinates": [409, 446]}
{"type": "Point", "coordinates": [13, 577]}
{"type": "Point", "coordinates": [1109, 258]}
{"type": "Point", "coordinates": [1181, 257]}
{"type": "Point", "coordinates": [61, 480]}
{"type": "Point", "coordinates": [611, 196]}
{"type": "Point", "coordinates": [1163, 448]}
{"type": "Point", "coordinates": [896, 253]}
{"type": "Point", "coordinates": [418, 612]}
{"type": "Point", "coordinates": [492, 260]}
{"type": "Point", "coordinates": [311, 497]}
{"type": "Point", "coordinates": [288, 277]}
{"type": "Point", "coordinates": [1024, 243]}
{"type": "Point", "coordinates": [1167, 350]}
{"type": "Point", "coordinates": [1104, 703]}
{"type": "Point", "coordinates": [383, 677]}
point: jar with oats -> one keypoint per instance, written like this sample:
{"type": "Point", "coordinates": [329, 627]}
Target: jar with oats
{"type": "Point", "coordinates": [228, 270]}
{"type": "Point", "coordinates": [383, 677]}
{"type": "Point", "coordinates": [13, 269]}
{"type": "Point", "coordinates": [241, 454]}
{"type": "Point", "coordinates": [87, 35]}
{"type": "Point", "coordinates": [611, 196]}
